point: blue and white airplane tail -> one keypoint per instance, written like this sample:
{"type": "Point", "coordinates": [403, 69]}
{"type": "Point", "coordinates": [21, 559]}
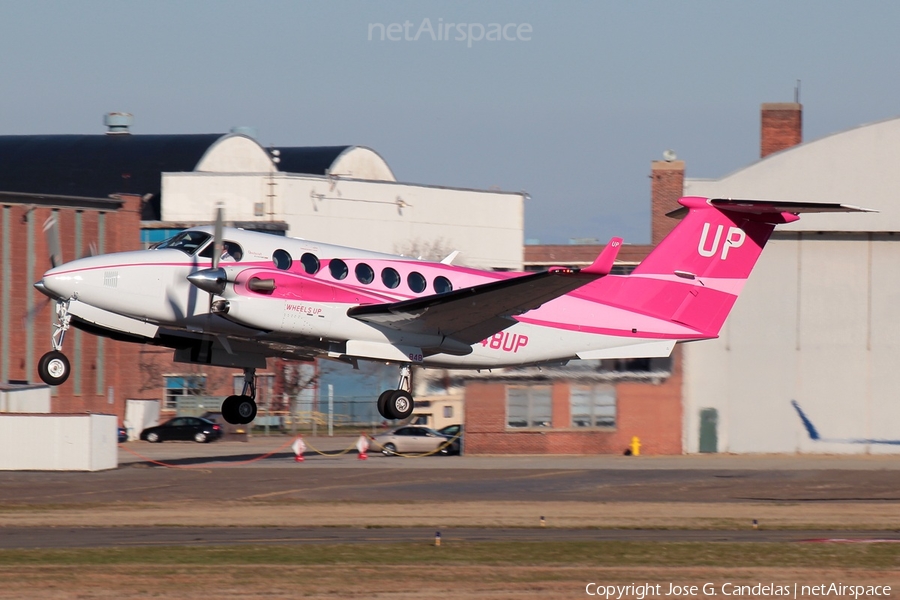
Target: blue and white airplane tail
{"type": "Point", "coordinates": [814, 433]}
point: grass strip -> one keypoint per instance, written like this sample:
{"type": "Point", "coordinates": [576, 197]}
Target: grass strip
{"type": "Point", "coordinates": [605, 553]}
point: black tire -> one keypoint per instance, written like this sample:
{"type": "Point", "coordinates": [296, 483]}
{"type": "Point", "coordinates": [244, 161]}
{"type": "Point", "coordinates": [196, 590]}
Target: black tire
{"type": "Point", "coordinates": [389, 449]}
{"type": "Point", "coordinates": [445, 449]}
{"type": "Point", "coordinates": [382, 403]}
{"type": "Point", "coordinates": [54, 368]}
{"type": "Point", "coordinates": [229, 410]}
{"type": "Point", "coordinates": [400, 404]}
{"type": "Point", "coordinates": [245, 408]}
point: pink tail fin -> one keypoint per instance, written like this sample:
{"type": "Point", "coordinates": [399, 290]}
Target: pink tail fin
{"type": "Point", "coordinates": [693, 277]}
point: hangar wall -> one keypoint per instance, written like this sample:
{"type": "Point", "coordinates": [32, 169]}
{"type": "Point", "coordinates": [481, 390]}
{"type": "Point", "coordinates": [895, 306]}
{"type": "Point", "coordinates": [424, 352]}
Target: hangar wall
{"type": "Point", "coordinates": [817, 321]}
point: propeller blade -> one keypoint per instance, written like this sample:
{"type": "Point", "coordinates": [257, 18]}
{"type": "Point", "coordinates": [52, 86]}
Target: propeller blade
{"type": "Point", "coordinates": [29, 317]}
{"type": "Point", "coordinates": [51, 234]}
{"type": "Point", "coordinates": [217, 238]}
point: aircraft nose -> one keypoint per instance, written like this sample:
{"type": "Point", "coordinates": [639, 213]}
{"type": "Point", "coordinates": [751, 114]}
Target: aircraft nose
{"type": "Point", "coordinates": [59, 282]}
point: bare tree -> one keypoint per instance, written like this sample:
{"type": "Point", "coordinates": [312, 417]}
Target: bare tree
{"type": "Point", "coordinates": [436, 249]}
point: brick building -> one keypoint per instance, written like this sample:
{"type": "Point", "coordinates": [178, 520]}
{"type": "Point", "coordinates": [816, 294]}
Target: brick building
{"type": "Point", "coordinates": [104, 372]}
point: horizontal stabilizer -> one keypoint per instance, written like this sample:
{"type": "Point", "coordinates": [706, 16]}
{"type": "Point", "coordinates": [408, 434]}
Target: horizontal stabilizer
{"type": "Point", "coordinates": [604, 263]}
{"type": "Point", "coordinates": [761, 207]}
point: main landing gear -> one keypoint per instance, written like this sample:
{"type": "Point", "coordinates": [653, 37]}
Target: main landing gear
{"type": "Point", "coordinates": [54, 367]}
{"type": "Point", "coordinates": [241, 410]}
{"type": "Point", "coordinates": [397, 404]}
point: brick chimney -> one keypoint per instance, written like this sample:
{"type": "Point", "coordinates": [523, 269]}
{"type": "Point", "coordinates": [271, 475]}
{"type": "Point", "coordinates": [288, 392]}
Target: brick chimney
{"type": "Point", "coordinates": [667, 186]}
{"type": "Point", "coordinates": [782, 126]}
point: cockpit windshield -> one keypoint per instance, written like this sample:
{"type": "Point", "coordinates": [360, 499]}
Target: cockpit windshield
{"type": "Point", "coordinates": [186, 241]}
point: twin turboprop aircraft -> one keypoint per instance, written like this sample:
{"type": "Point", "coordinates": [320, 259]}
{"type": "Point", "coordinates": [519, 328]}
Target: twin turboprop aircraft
{"type": "Point", "coordinates": [228, 297]}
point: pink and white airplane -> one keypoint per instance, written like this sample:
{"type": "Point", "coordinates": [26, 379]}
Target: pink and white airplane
{"type": "Point", "coordinates": [228, 297]}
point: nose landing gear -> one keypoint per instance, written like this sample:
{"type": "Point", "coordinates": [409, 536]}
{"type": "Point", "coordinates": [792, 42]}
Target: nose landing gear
{"type": "Point", "coordinates": [54, 368]}
{"type": "Point", "coordinates": [241, 410]}
{"type": "Point", "coordinates": [397, 404]}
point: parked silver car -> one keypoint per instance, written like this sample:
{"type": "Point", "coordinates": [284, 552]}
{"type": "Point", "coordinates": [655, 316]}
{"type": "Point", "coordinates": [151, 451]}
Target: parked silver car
{"type": "Point", "coordinates": [412, 439]}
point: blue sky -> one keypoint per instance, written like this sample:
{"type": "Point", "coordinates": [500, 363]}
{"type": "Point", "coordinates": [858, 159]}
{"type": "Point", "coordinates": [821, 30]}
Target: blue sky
{"type": "Point", "coordinates": [573, 115]}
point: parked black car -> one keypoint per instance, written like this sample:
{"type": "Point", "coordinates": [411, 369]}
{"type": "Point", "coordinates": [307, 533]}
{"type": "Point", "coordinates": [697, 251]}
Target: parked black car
{"type": "Point", "coordinates": [455, 432]}
{"type": "Point", "coordinates": [183, 428]}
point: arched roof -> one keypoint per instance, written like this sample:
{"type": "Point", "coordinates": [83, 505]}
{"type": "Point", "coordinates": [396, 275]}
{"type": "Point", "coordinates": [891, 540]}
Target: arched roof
{"type": "Point", "coordinates": [96, 165]}
{"type": "Point", "coordinates": [856, 166]}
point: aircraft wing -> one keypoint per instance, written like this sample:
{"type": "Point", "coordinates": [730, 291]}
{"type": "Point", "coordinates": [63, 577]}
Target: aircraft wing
{"type": "Point", "coordinates": [469, 315]}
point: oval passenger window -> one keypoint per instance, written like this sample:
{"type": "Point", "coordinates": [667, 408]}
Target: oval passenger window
{"type": "Point", "coordinates": [338, 268]}
{"type": "Point", "coordinates": [364, 273]}
{"type": "Point", "coordinates": [416, 282]}
{"type": "Point", "coordinates": [282, 259]}
{"type": "Point", "coordinates": [390, 278]}
{"type": "Point", "coordinates": [310, 263]}
{"type": "Point", "coordinates": [442, 285]}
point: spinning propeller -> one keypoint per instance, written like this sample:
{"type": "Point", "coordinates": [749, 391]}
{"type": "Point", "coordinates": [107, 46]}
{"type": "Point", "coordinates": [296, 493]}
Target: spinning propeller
{"type": "Point", "coordinates": [214, 279]}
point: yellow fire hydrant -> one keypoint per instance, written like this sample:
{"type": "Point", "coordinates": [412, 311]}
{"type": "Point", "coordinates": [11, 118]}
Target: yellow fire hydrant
{"type": "Point", "coordinates": [635, 446]}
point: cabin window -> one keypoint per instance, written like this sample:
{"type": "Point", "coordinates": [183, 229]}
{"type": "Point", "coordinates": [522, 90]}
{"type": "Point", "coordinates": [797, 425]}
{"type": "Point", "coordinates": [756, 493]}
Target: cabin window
{"type": "Point", "coordinates": [186, 241]}
{"type": "Point", "coordinates": [442, 285]}
{"type": "Point", "coordinates": [338, 268]}
{"type": "Point", "coordinates": [416, 282]}
{"type": "Point", "coordinates": [390, 278]}
{"type": "Point", "coordinates": [231, 251]}
{"type": "Point", "coordinates": [282, 259]}
{"type": "Point", "coordinates": [310, 263]}
{"type": "Point", "coordinates": [364, 273]}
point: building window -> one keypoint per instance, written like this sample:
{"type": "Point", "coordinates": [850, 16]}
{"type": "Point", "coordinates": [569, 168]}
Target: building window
{"type": "Point", "coordinates": [448, 412]}
{"type": "Point", "coordinates": [180, 386]}
{"type": "Point", "coordinates": [529, 406]}
{"type": "Point", "coordinates": [593, 405]}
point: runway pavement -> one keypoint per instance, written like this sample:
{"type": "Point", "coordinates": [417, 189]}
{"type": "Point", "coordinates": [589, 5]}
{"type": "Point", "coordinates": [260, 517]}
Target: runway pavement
{"type": "Point", "coordinates": [229, 471]}
{"type": "Point", "coordinates": [264, 468]}
{"type": "Point", "coordinates": [99, 537]}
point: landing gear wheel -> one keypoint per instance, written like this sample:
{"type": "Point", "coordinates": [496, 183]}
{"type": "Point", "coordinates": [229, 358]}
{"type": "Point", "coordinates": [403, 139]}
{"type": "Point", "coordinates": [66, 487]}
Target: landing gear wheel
{"type": "Point", "coordinates": [54, 368]}
{"type": "Point", "coordinates": [229, 412]}
{"type": "Point", "coordinates": [389, 449]}
{"type": "Point", "coordinates": [245, 409]}
{"type": "Point", "coordinates": [382, 403]}
{"type": "Point", "coordinates": [400, 404]}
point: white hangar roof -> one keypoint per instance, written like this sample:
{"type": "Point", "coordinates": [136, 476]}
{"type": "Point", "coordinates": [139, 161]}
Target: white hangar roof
{"type": "Point", "coordinates": [858, 166]}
